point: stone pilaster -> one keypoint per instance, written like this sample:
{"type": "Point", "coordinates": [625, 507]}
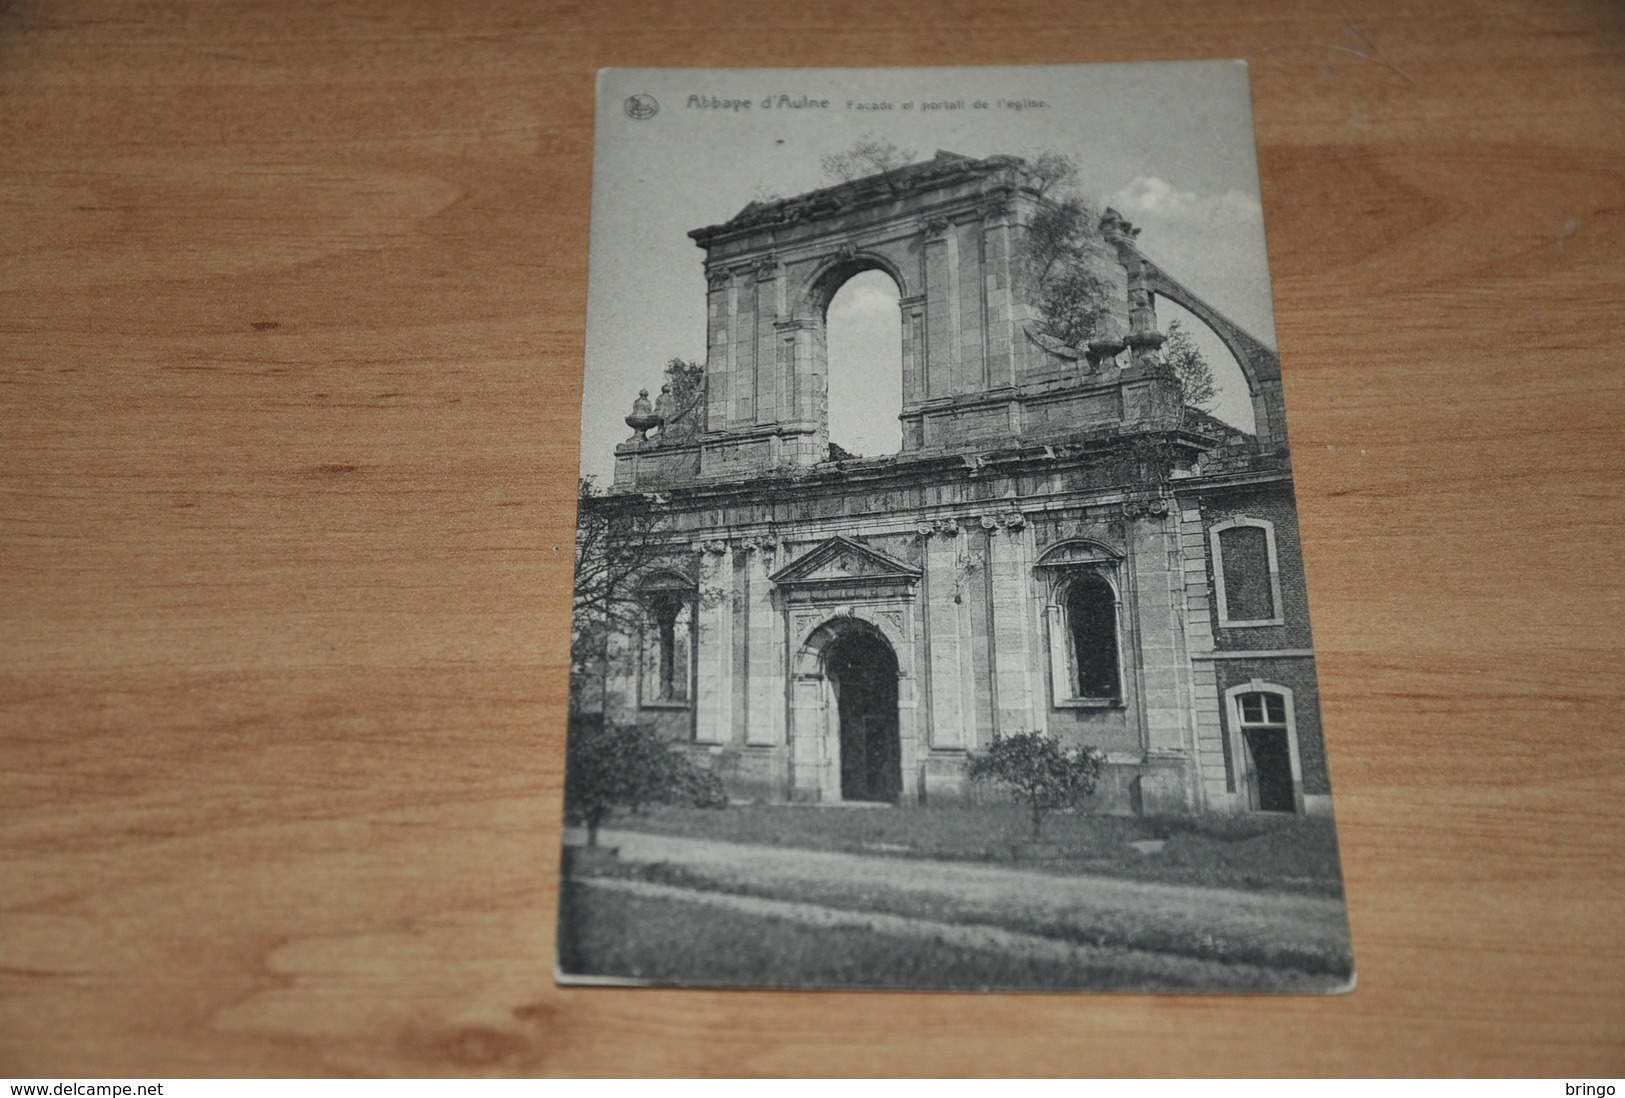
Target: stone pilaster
{"type": "Point", "coordinates": [721, 307]}
{"type": "Point", "coordinates": [1205, 700]}
{"type": "Point", "coordinates": [813, 775]}
{"type": "Point", "coordinates": [1010, 570]}
{"type": "Point", "coordinates": [913, 323]}
{"type": "Point", "coordinates": [742, 348]}
{"type": "Point", "coordinates": [1168, 780]}
{"type": "Point", "coordinates": [952, 680]}
{"type": "Point", "coordinates": [713, 703]}
{"type": "Point", "coordinates": [764, 651]}
{"type": "Point", "coordinates": [942, 310]}
{"type": "Point", "coordinates": [998, 300]}
{"type": "Point", "coordinates": [764, 341]}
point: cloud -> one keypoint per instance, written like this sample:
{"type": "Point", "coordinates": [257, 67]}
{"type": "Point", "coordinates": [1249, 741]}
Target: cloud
{"type": "Point", "coordinates": [863, 298]}
{"type": "Point", "coordinates": [1157, 199]}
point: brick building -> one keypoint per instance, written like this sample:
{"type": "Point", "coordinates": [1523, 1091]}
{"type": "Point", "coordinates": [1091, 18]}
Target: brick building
{"type": "Point", "coordinates": [1060, 544]}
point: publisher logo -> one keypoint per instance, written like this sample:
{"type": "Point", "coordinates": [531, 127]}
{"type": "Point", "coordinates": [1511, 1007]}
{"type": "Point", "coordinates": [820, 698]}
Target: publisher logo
{"type": "Point", "coordinates": [641, 107]}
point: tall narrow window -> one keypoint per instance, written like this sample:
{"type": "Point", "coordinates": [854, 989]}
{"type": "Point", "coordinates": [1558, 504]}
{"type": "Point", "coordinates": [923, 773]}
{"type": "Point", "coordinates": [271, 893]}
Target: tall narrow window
{"type": "Point", "coordinates": [1245, 573]}
{"type": "Point", "coordinates": [1091, 626]}
{"type": "Point", "coordinates": [668, 645]}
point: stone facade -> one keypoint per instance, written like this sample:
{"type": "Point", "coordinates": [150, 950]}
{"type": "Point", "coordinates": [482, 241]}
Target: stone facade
{"type": "Point", "coordinates": [1060, 545]}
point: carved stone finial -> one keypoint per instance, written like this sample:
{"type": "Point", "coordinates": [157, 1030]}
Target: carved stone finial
{"type": "Point", "coordinates": [1116, 228]}
{"type": "Point", "coordinates": [643, 417]}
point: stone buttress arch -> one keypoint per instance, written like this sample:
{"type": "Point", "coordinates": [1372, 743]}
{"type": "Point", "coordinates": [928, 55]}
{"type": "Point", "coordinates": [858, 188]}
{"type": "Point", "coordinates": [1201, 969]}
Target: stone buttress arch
{"type": "Point", "coordinates": [1260, 365]}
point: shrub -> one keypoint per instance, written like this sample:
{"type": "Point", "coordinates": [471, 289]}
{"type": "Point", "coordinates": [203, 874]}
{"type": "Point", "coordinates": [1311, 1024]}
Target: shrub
{"type": "Point", "coordinates": [1041, 773]}
{"type": "Point", "coordinates": [610, 767]}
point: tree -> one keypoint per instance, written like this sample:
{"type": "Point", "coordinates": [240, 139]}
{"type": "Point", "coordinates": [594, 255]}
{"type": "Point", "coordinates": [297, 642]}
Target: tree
{"type": "Point", "coordinates": [613, 767]}
{"type": "Point", "coordinates": [871, 155]}
{"type": "Point", "coordinates": [1039, 772]}
{"type": "Point", "coordinates": [1190, 366]}
{"type": "Point", "coordinates": [618, 539]}
{"type": "Point", "coordinates": [1070, 294]}
{"type": "Point", "coordinates": [609, 766]}
{"type": "Point", "coordinates": [1054, 170]}
{"type": "Point", "coordinates": [684, 396]}
{"type": "Point", "coordinates": [1070, 300]}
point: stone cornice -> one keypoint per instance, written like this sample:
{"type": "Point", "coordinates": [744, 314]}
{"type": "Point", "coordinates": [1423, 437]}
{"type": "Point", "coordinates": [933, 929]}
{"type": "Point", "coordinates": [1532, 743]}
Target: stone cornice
{"type": "Point", "coordinates": [1007, 174]}
{"type": "Point", "coordinates": [883, 474]}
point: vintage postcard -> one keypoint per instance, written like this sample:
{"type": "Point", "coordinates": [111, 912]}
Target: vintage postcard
{"type": "Point", "coordinates": [940, 617]}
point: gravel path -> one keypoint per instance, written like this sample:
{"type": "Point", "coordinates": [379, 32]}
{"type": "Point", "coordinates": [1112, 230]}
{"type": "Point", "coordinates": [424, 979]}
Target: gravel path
{"type": "Point", "coordinates": [1305, 932]}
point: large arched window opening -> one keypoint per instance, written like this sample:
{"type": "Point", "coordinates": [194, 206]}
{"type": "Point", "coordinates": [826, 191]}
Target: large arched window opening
{"type": "Point", "coordinates": [1090, 610]}
{"type": "Point", "coordinates": [1084, 620]}
{"type": "Point", "coordinates": [666, 666]}
{"type": "Point", "coordinates": [863, 332]}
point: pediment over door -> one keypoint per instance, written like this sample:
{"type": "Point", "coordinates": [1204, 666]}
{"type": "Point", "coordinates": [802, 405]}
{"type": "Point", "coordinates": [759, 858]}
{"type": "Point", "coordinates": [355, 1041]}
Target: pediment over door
{"type": "Point", "coordinates": [841, 564]}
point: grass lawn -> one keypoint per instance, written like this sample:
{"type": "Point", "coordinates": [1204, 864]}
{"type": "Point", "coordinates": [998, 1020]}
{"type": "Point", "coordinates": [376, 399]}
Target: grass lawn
{"type": "Point", "coordinates": [1263, 852]}
{"type": "Point", "coordinates": [673, 942]}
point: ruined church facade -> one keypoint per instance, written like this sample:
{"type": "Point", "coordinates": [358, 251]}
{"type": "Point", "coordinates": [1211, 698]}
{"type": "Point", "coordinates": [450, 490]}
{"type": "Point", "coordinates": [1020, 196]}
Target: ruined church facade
{"type": "Point", "coordinates": [1060, 544]}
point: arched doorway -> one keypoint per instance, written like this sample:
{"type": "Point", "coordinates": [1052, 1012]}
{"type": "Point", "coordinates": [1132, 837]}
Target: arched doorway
{"type": "Point", "coordinates": [862, 670]}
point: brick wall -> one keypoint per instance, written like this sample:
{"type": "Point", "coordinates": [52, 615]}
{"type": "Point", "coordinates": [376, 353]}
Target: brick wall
{"type": "Point", "coordinates": [1297, 675]}
{"type": "Point", "coordinates": [1274, 504]}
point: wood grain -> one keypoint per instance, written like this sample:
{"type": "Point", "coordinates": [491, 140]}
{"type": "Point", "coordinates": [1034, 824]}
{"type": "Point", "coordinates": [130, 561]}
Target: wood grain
{"type": "Point", "coordinates": [291, 310]}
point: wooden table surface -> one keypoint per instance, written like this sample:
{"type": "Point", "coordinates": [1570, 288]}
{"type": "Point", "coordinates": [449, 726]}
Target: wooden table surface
{"type": "Point", "coordinates": [291, 313]}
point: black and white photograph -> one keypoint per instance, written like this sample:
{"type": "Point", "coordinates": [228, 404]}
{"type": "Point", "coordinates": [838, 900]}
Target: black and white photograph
{"type": "Point", "coordinates": [940, 617]}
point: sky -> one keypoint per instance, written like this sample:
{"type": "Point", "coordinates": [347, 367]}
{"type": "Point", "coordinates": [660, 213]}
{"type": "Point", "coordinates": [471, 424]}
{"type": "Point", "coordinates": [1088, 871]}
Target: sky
{"type": "Point", "coordinates": [1169, 145]}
